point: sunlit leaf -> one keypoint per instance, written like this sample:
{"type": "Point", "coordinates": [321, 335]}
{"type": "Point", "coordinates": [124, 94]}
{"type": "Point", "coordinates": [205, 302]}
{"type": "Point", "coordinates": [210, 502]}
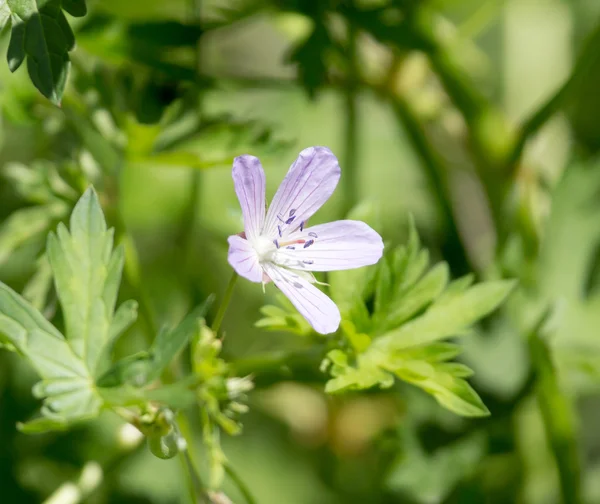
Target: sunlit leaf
{"type": "Point", "coordinates": [87, 273]}
{"type": "Point", "coordinates": [450, 318]}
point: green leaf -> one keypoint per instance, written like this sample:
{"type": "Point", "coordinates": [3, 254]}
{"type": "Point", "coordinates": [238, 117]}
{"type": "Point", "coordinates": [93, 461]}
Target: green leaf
{"type": "Point", "coordinates": [283, 318]}
{"type": "Point", "coordinates": [87, 274]}
{"type": "Point", "coordinates": [427, 476]}
{"type": "Point", "coordinates": [37, 289]}
{"type": "Point", "coordinates": [423, 293]}
{"type": "Point", "coordinates": [427, 310]}
{"type": "Point", "coordinates": [145, 367]}
{"type": "Point", "coordinates": [167, 345]}
{"type": "Point", "coordinates": [365, 375]}
{"type": "Point", "coordinates": [449, 318]}
{"type": "Point", "coordinates": [311, 57]}
{"type": "Point", "coordinates": [77, 8]}
{"type": "Point", "coordinates": [66, 382]}
{"type": "Point", "coordinates": [24, 225]}
{"type": "Point", "coordinates": [41, 425]}
{"type": "Point", "coordinates": [450, 390]}
{"type": "Point", "coordinates": [41, 32]}
{"type": "Point", "coordinates": [4, 14]}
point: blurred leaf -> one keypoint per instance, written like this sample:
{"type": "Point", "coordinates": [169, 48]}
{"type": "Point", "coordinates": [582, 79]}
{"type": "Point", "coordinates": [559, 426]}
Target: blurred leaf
{"type": "Point", "coordinates": [389, 25]}
{"type": "Point", "coordinates": [431, 477]}
{"type": "Point", "coordinates": [77, 8]}
{"type": "Point", "coordinates": [26, 224]}
{"type": "Point", "coordinates": [283, 318]}
{"type": "Point", "coordinates": [36, 290]}
{"type": "Point", "coordinates": [41, 32]}
{"type": "Point", "coordinates": [311, 57]}
{"type": "Point", "coordinates": [145, 367]}
{"type": "Point", "coordinates": [558, 415]}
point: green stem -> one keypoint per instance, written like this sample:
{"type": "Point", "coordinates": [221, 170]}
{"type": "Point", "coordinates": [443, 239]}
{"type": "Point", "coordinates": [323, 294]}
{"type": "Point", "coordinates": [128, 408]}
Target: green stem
{"type": "Point", "coordinates": [224, 304]}
{"type": "Point", "coordinates": [239, 483]}
{"type": "Point", "coordinates": [436, 172]}
{"type": "Point", "coordinates": [558, 417]}
{"type": "Point", "coordinates": [350, 178]}
{"type": "Point", "coordinates": [187, 231]}
{"type": "Point", "coordinates": [556, 101]}
{"type": "Point", "coordinates": [272, 367]}
{"type": "Point", "coordinates": [195, 485]}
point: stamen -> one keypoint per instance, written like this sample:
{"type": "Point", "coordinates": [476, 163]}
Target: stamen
{"type": "Point", "coordinates": [302, 226]}
{"type": "Point", "coordinates": [292, 212]}
{"type": "Point", "coordinates": [309, 243]}
{"type": "Point", "coordinates": [292, 242]}
{"type": "Point", "coordinates": [308, 262]}
{"type": "Point", "coordinates": [313, 234]}
{"type": "Point", "coordinates": [290, 220]}
{"type": "Point", "coordinates": [279, 230]}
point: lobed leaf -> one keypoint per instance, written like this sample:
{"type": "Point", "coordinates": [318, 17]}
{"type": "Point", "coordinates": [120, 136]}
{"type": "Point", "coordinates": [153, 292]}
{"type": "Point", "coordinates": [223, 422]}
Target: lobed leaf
{"type": "Point", "coordinates": [66, 386]}
{"type": "Point", "coordinates": [87, 274]}
{"type": "Point", "coordinates": [449, 318]}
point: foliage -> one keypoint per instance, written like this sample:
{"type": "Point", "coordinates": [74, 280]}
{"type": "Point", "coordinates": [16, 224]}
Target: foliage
{"type": "Point", "coordinates": [466, 364]}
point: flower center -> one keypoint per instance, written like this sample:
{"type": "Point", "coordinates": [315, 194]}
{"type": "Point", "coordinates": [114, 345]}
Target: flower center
{"type": "Point", "coordinates": [264, 247]}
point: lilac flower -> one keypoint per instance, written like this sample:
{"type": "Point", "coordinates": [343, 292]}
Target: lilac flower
{"type": "Point", "coordinates": [276, 245]}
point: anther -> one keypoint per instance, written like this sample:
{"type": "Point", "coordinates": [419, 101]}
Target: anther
{"type": "Point", "coordinates": [290, 247]}
{"type": "Point", "coordinates": [309, 243]}
{"type": "Point", "coordinates": [302, 226]}
{"type": "Point", "coordinates": [292, 212]}
{"type": "Point", "coordinates": [279, 230]}
{"type": "Point", "coordinates": [290, 220]}
{"type": "Point", "coordinates": [276, 243]}
{"type": "Point", "coordinates": [313, 234]}
{"type": "Point", "coordinates": [308, 262]}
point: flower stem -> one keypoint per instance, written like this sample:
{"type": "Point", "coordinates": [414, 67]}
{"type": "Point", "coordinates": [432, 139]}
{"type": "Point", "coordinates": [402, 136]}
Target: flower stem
{"type": "Point", "coordinates": [350, 178]}
{"type": "Point", "coordinates": [558, 417]}
{"type": "Point", "coordinates": [244, 490]}
{"type": "Point", "coordinates": [196, 487]}
{"type": "Point", "coordinates": [224, 304]}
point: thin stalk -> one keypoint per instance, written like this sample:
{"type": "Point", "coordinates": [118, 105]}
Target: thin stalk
{"type": "Point", "coordinates": [350, 179]}
{"type": "Point", "coordinates": [195, 484]}
{"type": "Point", "coordinates": [436, 174]}
{"type": "Point", "coordinates": [189, 478]}
{"type": "Point", "coordinates": [239, 483]}
{"type": "Point", "coordinates": [224, 304]}
{"type": "Point", "coordinates": [558, 417]}
{"type": "Point", "coordinates": [191, 212]}
{"type": "Point", "coordinates": [132, 271]}
{"type": "Point", "coordinates": [556, 101]}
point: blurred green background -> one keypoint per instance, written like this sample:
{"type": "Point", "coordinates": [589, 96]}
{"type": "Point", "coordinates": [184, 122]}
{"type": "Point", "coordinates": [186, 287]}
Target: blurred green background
{"type": "Point", "coordinates": [479, 118]}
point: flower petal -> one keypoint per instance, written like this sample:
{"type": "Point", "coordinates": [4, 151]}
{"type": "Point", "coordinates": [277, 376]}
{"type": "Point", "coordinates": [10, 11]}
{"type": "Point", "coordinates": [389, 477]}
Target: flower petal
{"type": "Point", "coordinates": [308, 184]}
{"type": "Point", "coordinates": [339, 245]}
{"type": "Point", "coordinates": [249, 182]}
{"type": "Point", "coordinates": [320, 311]}
{"type": "Point", "coordinates": [243, 259]}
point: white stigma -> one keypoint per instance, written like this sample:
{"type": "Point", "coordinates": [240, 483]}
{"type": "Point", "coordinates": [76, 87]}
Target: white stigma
{"type": "Point", "coordinates": [265, 248]}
